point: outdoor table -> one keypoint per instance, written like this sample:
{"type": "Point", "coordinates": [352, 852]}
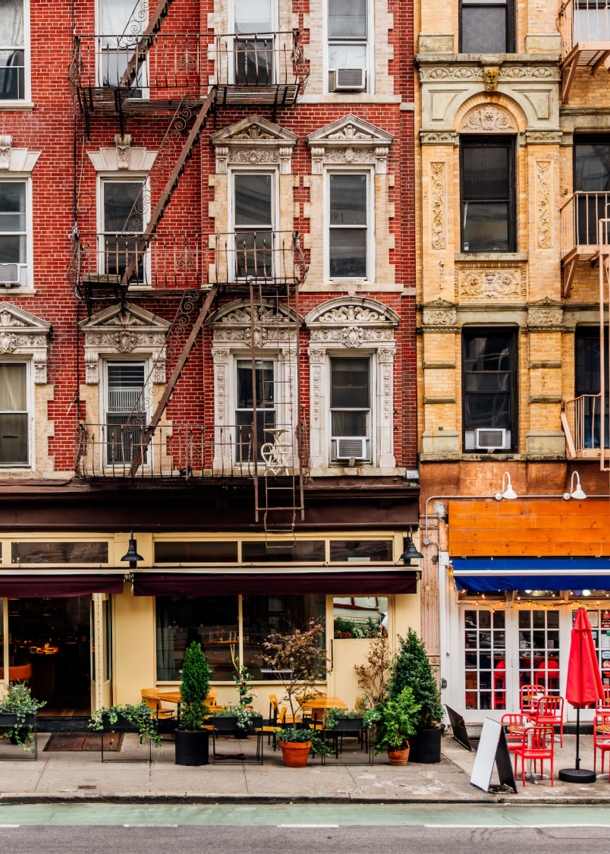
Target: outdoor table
{"type": "Point", "coordinates": [174, 697]}
{"type": "Point", "coordinates": [320, 704]}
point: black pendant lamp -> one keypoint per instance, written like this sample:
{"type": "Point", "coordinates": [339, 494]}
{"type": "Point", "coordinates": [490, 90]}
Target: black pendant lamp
{"type": "Point", "coordinates": [132, 555]}
{"type": "Point", "coordinates": [410, 552]}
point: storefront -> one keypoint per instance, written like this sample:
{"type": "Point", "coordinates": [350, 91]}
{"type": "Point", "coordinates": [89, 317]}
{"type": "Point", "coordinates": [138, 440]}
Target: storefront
{"type": "Point", "coordinates": [510, 584]}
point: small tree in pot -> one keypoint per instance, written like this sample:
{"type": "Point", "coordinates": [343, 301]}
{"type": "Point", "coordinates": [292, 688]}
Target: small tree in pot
{"type": "Point", "coordinates": [299, 662]}
{"type": "Point", "coordinates": [398, 722]}
{"type": "Point", "coordinates": [412, 668]}
{"type": "Point", "coordinates": [191, 738]}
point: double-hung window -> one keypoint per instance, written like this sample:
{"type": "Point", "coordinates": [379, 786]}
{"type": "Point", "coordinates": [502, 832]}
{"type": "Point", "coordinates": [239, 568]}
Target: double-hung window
{"type": "Point", "coordinates": [591, 185]}
{"type": "Point", "coordinates": [587, 385]}
{"type": "Point", "coordinates": [262, 382]}
{"type": "Point", "coordinates": [14, 416]}
{"type": "Point", "coordinates": [12, 50]}
{"type": "Point", "coordinates": [486, 26]}
{"type": "Point", "coordinates": [13, 234]}
{"type": "Point", "coordinates": [348, 239]}
{"type": "Point", "coordinates": [489, 390]}
{"type": "Point", "coordinates": [488, 194]}
{"type": "Point", "coordinates": [347, 44]}
{"type": "Point", "coordinates": [591, 21]}
{"type": "Point", "coordinates": [125, 411]}
{"type": "Point", "coordinates": [123, 219]}
{"type": "Point", "coordinates": [121, 24]}
{"type": "Point", "coordinates": [350, 407]}
{"type": "Point", "coordinates": [254, 58]}
{"type": "Point", "coordinates": [253, 224]}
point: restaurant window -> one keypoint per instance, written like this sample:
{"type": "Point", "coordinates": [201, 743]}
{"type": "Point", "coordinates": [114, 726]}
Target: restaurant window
{"type": "Point", "coordinates": [254, 61]}
{"type": "Point", "coordinates": [14, 251]}
{"type": "Point", "coordinates": [12, 50]}
{"type": "Point", "coordinates": [14, 415]}
{"type": "Point", "coordinates": [347, 45]}
{"type": "Point", "coordinates": [489, 391]}
{"type": "Point", "coordinates": [357, 617]}
{"type": "Point", "coordinates": [361, 551]}
{"type": "Point", "coordinates": [253, 216]}
{"type": "Point", "coordinates": [123, 219]}
{"type": "Point", "coordinates": [486, 26]}
{"type": "Point", "coordinates": [189, 551]}
{"type": "Point", "coordinates": [485, 659]}
{"type": "Point", "coordinates": [125, 411]}
{"type": "Point", "coordinates": [350, 409]}
{"type": "Point", "coordinates": [587, 384]}
{"type": "Point", "coordinates": [348, 238]}
{"type": "Point", "coordinates": [488, 194]}
{"type": "Point", "coordinates": [539, 649]}
{"type": "Point", "coordinates": [264, 379]}
{"type": "Point", "coordinates": [58, 552]}
{"type": "Point", "coordinates": [591, 184]}
{"type": "Point", "coordinates": [297, 551]}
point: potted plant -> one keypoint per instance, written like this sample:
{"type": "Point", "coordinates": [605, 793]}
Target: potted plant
{"type": "Point", "coordinates": [191, 739]}
{"type": "Point", "coordinates": [343, 721]}
{"type": "Point", "coordinates": [18, 715]}
{"type": "Point", "coordinates": [299, 661]}
{"type": "Point", "coordinates": [411, 667]}
{"type": "Point", "coordinates": [398, 723]}
{"type": "Point", "coordinates": [124, 717]}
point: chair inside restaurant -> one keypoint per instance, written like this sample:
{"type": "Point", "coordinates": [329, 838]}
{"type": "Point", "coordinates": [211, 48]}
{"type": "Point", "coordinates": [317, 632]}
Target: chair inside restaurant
{"type": "Point", "coordinates": [49, 649]}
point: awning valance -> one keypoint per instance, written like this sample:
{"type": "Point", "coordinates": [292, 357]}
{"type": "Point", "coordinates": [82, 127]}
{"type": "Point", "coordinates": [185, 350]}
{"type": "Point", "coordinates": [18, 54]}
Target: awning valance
{"type": "Point", "coordinates": [487, 575]}
{"type": "Point", "coordinates": [45, 586]}
{"type": "Point", "coordinates": [375, 583]}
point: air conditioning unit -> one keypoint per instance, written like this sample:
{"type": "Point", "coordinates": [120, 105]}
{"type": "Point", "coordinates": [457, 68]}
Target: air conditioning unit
{"type": "Point", "coordinates": [346, 79]}
{"type": "Point", "coordinates": [350, 447]}
{"type": "Point", "coordinates": [9, 275]}
{"type": "Point", "coordinates": [491, 439]}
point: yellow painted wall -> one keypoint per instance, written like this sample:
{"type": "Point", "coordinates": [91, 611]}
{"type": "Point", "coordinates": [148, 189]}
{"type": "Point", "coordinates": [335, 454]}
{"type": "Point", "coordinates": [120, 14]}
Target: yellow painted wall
{"type": "Point", "coordinates": [134, 646]}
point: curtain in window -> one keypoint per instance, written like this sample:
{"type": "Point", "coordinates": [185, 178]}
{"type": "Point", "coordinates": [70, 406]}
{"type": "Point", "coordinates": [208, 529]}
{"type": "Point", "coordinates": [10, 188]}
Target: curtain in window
{"type": "Point", "coordinates": [123, 17]}
{"type": "Point", "coordinates": [12, 388]}
{"type": "Point", "coordinates": [347, 19]}
{"type": "Point", "coordinates": [253, 16]}
{"type": "Point", "coordinates": [11, 23]}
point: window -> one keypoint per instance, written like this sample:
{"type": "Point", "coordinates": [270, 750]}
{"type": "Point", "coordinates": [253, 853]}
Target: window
{"type": "Point", "coordinates": [13, 234]}
{"type": "Point", "coordinates": [361, 551]}
{"type": "Point", "coordinates": [253, 222]}
{"type": "Point", "coordinates": [360, 617]}
{"type": "Point", "coordinates": [489, 390]}
{"type": "Point", "coordinates": [56, 552]}
{"type": "Point", "coordinates": [350, 405]}
{"type": "Point", "coordinates": [539, 649]}
{"type": "Point", "coordinates": [486, 26]}
{"type": "Point", "coordinates": [587, 385]}
{"type": "Point", "coordinates": [592, 184]}
{"type": "Point", "coordinates": [121, 25]}
{"type": "Point", "coordinates": [265, 407]}
{"type": "Point", "coordinates": [298, 551]}
{"type": "Point", "coordinates": [123, 219]}
{"type": "Point", "coordinates": [125, 411]}
{"type": "Point", "coordinates": [14, 418]}
{"type": "Point", "coordinates": [485, 659]}
{"type": "Point", "coordinates": [12, 50]}
{"type": "Point", "coordinates": [347, 44]}
{"type": "Point", "coordinates": [348, 225]}
{"type": "Point", "coordinates": [188, 551]}
{"type": "Point", "coordinates": [488, 208]}
{"type": "Point", "coordinates": [591, 21]}
{"type": "Point", "coordinates": [254, 46]}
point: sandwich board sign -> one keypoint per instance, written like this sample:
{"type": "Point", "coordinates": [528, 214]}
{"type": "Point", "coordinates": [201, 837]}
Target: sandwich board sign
{"type": "Point", "coordinates": [492, 749]}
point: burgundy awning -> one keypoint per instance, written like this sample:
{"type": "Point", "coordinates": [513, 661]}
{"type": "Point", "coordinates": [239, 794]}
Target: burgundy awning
{"type": "Point", "coordinates": [375, 583]}
{"type": "Point", "coordinates": [58, 586]}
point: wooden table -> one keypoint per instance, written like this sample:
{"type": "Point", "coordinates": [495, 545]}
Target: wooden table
{"type": "Point", "coordinates": [174, 697]}
{"type": "Point", "coordinates": [324, 703]}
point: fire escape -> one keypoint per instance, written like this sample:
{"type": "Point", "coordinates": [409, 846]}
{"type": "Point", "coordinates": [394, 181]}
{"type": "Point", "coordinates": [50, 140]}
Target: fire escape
{"type": "Point", "coordinates": [183, 80]}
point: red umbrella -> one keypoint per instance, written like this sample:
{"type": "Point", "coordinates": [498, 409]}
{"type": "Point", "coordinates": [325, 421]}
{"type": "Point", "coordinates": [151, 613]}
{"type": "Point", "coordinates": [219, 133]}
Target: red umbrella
{"type": "Point", "coordinates": [584, 687]}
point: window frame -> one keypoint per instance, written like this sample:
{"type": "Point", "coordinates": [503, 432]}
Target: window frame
{"type": "Point", "coordinates": [104, 178]}
{"type": "Point", "coordinates": [371, 423]}
{"type": "Point", "coordinates": [511, 24]}
{"type": "Point", "coordinates": [275, 211]}
{"type": "Point", "coordinates": [369, 51]}
{"type": "Point", "coordinates": [122, 358]}
{"type": "Point", "coordinates": [29, 396]}
{"type": "Point", "coordinates": [12, 103]}
{"type": "Point", "coordinates": [512, 332]}
{"type": "Point", "coordinates": [489, 141]}
{"type": "Point", "coordinates": [273, 32]}
{"type": "Point", "coordinates": [261, 356]}
{"type": "Point", "coordinates": [26, 270]}
{"type": "Point", "coordinates": [370, 277]}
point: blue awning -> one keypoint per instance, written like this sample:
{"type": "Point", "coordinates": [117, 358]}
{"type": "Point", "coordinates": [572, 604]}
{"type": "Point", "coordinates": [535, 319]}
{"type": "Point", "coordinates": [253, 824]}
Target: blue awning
{"type": "Point", "coordinates": [488, 575]}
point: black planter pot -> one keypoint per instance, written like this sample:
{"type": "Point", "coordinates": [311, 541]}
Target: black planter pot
{"type": "Point", "coordinates": [426, 746]}
{"type": "Point", "coordinates": [192, 747]}
{"type": "Point", "coordinates": [227, 725]}
{"type": "Point", "coordinates": [348, 725]}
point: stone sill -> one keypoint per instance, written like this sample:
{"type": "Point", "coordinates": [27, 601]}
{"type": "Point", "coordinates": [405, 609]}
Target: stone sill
{"type": "Point", "coordinates": [488, 58]}
{"type": "Point", "coordinates": [513, 257]}
{"type": "Point", "coordinates": [493, 458]}
{"type": "Point", "coordinates": [358, 471]}
{"type": "Point", "coordinates": [6, 106]}
{"type": "Point", "coordinates": [17, 292]}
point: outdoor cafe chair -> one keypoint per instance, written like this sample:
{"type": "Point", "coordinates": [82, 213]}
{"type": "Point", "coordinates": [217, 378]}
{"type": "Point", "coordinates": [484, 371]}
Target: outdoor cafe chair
{"type": "Point", "coordinates": [601, 737]}
{"type": "Point", "coordinates": [604, 703]}
{"type": "Point", "coordinates": [153, 701]}
{"type": "Point", "coordinates": [548, 711]}
{"type": "Point", "coordinates": [514, 726]}
{"type": "Point", "coordinates": [529, 696]}
{"type": "Point", "coordinates": [537, 745]}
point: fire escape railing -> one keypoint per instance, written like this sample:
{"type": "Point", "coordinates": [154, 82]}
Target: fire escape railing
{"type": "Point", "coordinates": [584, 26]}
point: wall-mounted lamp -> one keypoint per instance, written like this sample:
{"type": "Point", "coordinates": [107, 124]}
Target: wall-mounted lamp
{"type": "Point", "coordinates": [132, 555]}
{"type": "Point", "coordinates": [409, 551]}
{"type": "Point", "coordinates": [577, 491]}
{"type": "Point", "coordinates": [506, 490]}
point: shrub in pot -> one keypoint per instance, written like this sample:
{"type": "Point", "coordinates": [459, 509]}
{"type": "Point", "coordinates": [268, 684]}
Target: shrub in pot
{"type": "Point", "coordinates": [18, 715]}
{"type": "Point", "coordinates": [411, 667]}
{"type": "Point", "coordinates": [191, 738]}
{"type": "Point", "coordinates": [398, 723]}
{"type": "Point", "coordinates": [125, 717]}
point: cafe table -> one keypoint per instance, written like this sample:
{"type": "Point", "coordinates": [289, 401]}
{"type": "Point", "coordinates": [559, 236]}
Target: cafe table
{"type": "Point", "coordinates": [318, 705]}
{"type": "Point", "coordinates": [174, 697]}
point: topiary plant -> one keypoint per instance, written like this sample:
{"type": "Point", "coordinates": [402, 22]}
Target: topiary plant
{"type": "Point", "coordinates": [194, 688]}
{"type": "Point", "coordinates": [411, 668]}
{"type": "Point", "coordinates": [399, 721]}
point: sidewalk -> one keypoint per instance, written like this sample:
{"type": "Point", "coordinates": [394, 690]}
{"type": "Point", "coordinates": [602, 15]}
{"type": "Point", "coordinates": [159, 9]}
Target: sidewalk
{"type": "Point", "coordinates": [128, 776]}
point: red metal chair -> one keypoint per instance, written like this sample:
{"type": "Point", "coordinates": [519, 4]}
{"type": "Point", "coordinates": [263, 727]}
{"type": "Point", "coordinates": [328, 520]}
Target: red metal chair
{"type": "Point", "coordinates": [537, 745]}
{"type": "Point", "coordinates": [604, 705]}
{"type": "Point", "coordinates": [547, 675]}
{"type": "Point", "coordinates": [548, 711]}
{"type": "Point", "coordinates": [515, 725]}
{"type": "Point", "coordinates": [601, 737]}
{"type": "Point", "coordinates": [500, 685]}
{"type": "Point", "coordinates": [529, 696]}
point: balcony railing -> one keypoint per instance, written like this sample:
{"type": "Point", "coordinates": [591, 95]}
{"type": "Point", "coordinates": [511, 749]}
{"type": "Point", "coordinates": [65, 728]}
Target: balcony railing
{"type": "Point", "coordinates": [260, 67]}
{"type": "Point", "coordinates": [582, 426]}
{"type": "Point", "coordinates": [182, 261]}
{"type": "Point", "coordinates": [580, 220]}
{"type": "Point", "coordinates": [193, 451]}
{"type": "Point", "coordinates": [585, 37]}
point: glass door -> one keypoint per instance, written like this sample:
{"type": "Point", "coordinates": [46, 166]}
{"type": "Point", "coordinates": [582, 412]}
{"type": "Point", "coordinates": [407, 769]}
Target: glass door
{"type": "Point", "coordinates": [101, 651]}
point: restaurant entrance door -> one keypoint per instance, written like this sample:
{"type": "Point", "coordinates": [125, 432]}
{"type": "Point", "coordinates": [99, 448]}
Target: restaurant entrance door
{"type": "Point", "coordinates": [101, 650]}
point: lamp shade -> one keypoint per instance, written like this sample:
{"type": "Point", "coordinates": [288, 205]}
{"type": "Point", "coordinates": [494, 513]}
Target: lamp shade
{"type": "Point", "coordinates": [410, 552]}
{"type": "Point", "coordinates": [132, 555]}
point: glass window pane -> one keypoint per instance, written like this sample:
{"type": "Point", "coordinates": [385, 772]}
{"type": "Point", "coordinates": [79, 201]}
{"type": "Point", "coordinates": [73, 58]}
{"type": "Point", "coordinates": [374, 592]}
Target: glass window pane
{"type": "Point", "coordinates": [11, 23]}
{"type": "Point", "coordinates": [482, 411]}
{"type": "Point", "coordinates": [278, 552]}
{"type": "Point", "coordinates": [116, 14]}
{"type": "Point", "coordinates": [12, 75]}
{"type": "Point", "coordinates": [361, 550]}
{"type": "Point", "coordinates": [13, 438]}
{"type": "Point", "coordinates": [12, 249]}
{"type": "Point", "coordinates": [346, 55]}
{"type": "Point", "coordinates": [54, 552]}
{"type": "Point", "coordinates": [347, 253]}
{"type": "Point", "coordinates": [485, 620]}
{"type": "Point", "coordinates": [349, 383]}
{"type": "Point", "coordinates": [253, 199]}
{"type": "Point", "coordinates": [123, 204]}
{"type": "Point", "coordinates": [12, 201]}
{"type": "Point", "coordinates": [264, 383]}
{"type": "Point", "coordinates": [347, 18]}
{"type": "Point", "coordinates": [360, 617]}
{"type": "Point", "coordinates": [350, 423]}
{"type": "Point", "coordinates": [485, 227]}
{"type": "Point", "coordinates": [486, 172]}
{"type": "Point", "coordinates": [592, 165]}
{"type": "Point", "coordinates": [211, 620]}
{"type": "Point", "coordinates": [489, 352]}
{"type": "Point", "coordinates": [348, 199]}
{"type": "Point", "coordinates": [484, 29]}
{"type": "Point", "coordinates": [253, 16]}
{"type": "Point", "coordinates": [195, 552]}
{"type": "Point", "coordinates": [13, 387]}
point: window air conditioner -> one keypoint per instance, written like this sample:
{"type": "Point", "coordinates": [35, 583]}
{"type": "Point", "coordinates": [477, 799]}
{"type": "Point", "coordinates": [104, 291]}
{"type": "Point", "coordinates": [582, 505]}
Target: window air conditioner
{"type": "Point", "coordinates": [9, 275]}
{"type": "Point", "coordinates": [350, 447]}
{"type": "Point", "coordinates": [491, 439]}
{"type": "Point", "coordinates": [347, 78]}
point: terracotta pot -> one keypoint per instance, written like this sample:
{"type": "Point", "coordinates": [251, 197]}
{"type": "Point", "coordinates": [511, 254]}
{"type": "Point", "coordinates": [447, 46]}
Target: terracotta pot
{"type": "Point", "coordinates": [399, 757]}
{"type": "Point", "coordinates": [295, 753]}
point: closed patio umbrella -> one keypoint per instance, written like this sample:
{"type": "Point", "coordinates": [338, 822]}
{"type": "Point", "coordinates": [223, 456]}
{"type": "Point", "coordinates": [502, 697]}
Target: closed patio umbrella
{"type": "Point", "coordinates": [584, 687]}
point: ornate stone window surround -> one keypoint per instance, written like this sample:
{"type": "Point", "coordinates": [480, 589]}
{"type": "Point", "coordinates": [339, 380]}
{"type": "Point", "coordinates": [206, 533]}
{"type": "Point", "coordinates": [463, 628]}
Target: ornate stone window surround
{"type": "Point", "coordinates": [355, 326]}
{"type": "Point", "coordinates": [231, 340]}
{"type": "Point", "coordinates": [17, 164]}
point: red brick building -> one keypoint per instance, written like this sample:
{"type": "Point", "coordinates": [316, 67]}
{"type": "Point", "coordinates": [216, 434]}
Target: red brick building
{"type": "Point", "coordinates": [207, 254]}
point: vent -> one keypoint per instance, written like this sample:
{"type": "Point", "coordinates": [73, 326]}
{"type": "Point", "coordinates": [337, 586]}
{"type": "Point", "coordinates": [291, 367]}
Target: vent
{"type": "Point", "coordinates": [9, 275]}
{"type": "Point", "coordinates": [488, 439]}
{"type": "Point", "coordinates": [351, 447]}
{"type": "Point", "coordinates": [347, 78]}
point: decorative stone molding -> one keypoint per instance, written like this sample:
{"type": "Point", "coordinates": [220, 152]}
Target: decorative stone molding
{"type": "Point", "coordinates": [6, 143]}
{"type": "Point", "coordinates": [491, 282]}
{"type": "Point", "coordinates": [491, 73]}
{"type": "Point", "coordinates": [440, 313]}
{"type": "Point", "coordinates": [352, 322]}
{"type": "Point", "coordinates": [232, 324]}
{"type": "Point", "coordinates": [446, 137]}
{"type": "Point", "coordinates": [490, 118]}
{"type": "Point", "coordinates": [349, 140]}
{"type": "Point", "coordinates": [16, 159]}
{"type": "Point", "coordinates": [506, 73]}
{"type": "Point", "coordinates": [123, 150]}
{"type": "Point", "coordinates": [545, 314]}
{"type": "Point", "coordinates": [125, 330]}
{"type": "Point", "coordinates": [24, 334]}
{"type": "Point", "coordinates": [544, 222]}
{"type": "Point", "coordinates": [254, 141]}
{"type": "Point", "coordinates": [438, 194]}
{"type": "Point", "coordinates": [124, 157]}
{"type": "Point", "coordinates": [543, 137]}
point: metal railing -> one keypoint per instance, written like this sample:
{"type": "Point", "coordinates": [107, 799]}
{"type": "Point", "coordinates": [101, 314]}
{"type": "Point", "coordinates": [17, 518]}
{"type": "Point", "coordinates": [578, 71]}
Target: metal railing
{"type": "Point", "coordinates": [582, 419]}
{"type": "Point", "coordinates": [583, 21]}
{"type": "Point", "coordinates": [580, 216]}
{"type": "Point", "coordinates": [192, 451]}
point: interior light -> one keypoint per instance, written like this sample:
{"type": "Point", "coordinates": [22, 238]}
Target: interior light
{"type": "Point", "coordinates": [586, 592]}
